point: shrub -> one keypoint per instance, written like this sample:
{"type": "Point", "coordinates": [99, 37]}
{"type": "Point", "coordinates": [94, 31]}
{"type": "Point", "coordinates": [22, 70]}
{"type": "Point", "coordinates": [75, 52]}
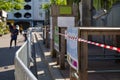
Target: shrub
{"type": "Point", "coordinates": [4, 29]}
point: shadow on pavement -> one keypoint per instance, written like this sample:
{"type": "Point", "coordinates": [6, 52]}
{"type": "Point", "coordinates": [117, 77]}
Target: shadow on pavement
{"type": "Point", "coordinates": [7, 63]}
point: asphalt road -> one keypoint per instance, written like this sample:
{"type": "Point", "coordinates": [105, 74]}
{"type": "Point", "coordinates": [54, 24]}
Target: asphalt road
{"type": "Point", "coordinates": [7, 57]}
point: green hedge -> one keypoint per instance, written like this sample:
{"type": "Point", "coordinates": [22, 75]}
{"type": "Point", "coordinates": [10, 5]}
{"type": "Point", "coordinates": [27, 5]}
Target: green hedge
{"type": "Point", "coordinates": [4, 29]}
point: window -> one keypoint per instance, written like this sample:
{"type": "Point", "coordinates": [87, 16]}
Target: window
{"type": "Point", "coordinates": [27, 7]}
{"type": "Point", "coordinates": [27, 15]}
{"type": "Point", "coordinates": [27, 0]}
{"type": "Point", "coordinates": [18, 15]}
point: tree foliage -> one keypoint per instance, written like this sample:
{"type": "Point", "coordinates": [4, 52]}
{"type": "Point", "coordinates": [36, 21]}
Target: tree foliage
{"type": "Point", "coordinates": [59, 2]}
{"type": "Point", "coordinates": [106, 4]}
{"type": "Point", "coordinates": [45, 6]}
{"type": "Point", "coordinates": [64, 2]}
{"type": "Point", "coordinates": [9, 5]}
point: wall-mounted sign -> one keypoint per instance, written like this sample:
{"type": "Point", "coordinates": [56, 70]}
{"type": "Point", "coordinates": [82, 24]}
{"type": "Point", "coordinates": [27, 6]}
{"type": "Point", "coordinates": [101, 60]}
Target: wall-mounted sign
{"type": "Point", "coordinates": [66, 21]}
{"type": "Point", "coordinates": [72, 52]}
{"type": "Point", "coordinates": [65, 10]}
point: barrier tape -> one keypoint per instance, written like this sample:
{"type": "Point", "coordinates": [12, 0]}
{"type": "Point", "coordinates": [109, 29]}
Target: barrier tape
{"type": "Point", "coordinates": [90, 42]}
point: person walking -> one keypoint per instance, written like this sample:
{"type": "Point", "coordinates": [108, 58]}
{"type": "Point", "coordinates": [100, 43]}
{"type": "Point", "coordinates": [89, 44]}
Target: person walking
{"type": "Point", "coordinates": [25, 35]}
{"type": "Point", "coordinates": [14, 33]}
{"type": "Point", "coordinates": [21, 29]}
{"type": "Point", "coordinates": [18, 28]}
{"type": "Point", "coordinates": [10, 27]}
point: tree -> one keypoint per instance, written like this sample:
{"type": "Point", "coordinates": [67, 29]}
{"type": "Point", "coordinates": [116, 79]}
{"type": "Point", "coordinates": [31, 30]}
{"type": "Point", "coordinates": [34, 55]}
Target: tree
{"type": "Point", "coordinates": [9, 5]}
{"type": "Point", "coordinates": [59, 2]}
{"type": "Point", "coordinates": [46, 6]}
{"type": "Point", "coordinates": [106, 4]}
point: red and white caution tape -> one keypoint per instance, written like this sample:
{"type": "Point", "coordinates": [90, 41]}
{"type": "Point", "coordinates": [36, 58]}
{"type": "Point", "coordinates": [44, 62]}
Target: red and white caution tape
{"type": "Point", "coordinates": [91, 42]}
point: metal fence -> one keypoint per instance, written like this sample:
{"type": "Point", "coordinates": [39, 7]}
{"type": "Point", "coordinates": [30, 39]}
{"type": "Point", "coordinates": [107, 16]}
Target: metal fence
{"type": "Point", "coordinates": [22, 61]}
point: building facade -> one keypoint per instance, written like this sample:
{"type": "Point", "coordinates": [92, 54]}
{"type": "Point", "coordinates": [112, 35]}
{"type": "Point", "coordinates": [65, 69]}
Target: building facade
{"type": "Point", "coordinates": [31, 15]}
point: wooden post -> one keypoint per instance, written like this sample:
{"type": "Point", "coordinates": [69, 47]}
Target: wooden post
{"type": "Point", "coordinates": [62, 48]}
{"type": "Point", "coordinates": [83, 57]}
{"type": "Point", "coordinates": [54, 21]}
{"type": "Point", "coordinates": [43, 34]}
{"type": "Point", "coordinates": [75, 13]}
{"type": "Point", "coordinates": [47, 36]}
{"type": "Point", "coordinates": [86, 14]}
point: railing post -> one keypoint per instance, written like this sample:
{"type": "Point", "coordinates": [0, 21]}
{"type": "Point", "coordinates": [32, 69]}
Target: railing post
{"type": "Point", "coordinates": [29, 35]}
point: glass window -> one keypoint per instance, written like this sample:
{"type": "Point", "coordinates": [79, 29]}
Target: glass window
{"type": "Point", "coordinates": [27, 15]}
{"type": "Point", "coordinates": [27, 0]}
{"type": "Point", "coordinates": [18, 15]}
{"type": "Point", "coordinates": [27, 7]}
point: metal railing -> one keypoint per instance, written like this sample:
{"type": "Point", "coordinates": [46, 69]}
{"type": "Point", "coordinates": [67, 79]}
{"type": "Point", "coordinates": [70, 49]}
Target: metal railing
{"type": "Point", "coordinates": [22, 61]}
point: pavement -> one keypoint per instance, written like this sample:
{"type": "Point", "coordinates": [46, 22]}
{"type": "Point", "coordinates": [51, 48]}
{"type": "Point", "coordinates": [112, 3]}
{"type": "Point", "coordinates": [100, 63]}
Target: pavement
{"type": "Point", "coordinates": [48, 69]}
{"type": "Point", "coordinates": [53, 67]}
{"type": "Point", "coordinates": [49, 64]}
{"type": "Point", "coordinates": [93, 65]}
{"type": "Point", "coordinates": [7, 56]}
